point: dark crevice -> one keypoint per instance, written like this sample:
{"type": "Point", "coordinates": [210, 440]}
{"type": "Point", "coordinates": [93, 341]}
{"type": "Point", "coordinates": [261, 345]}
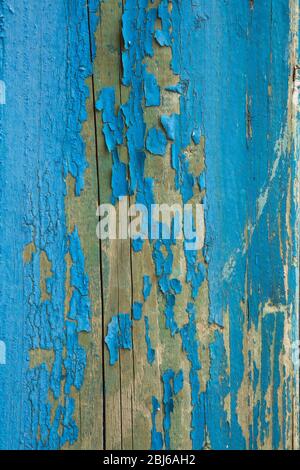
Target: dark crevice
{"type": "Point", "coordinates": [120, 247]}
{"type": "Point", "coordinates": [121, 71]}
{"type": "Point", "coordinates": [100, 242]}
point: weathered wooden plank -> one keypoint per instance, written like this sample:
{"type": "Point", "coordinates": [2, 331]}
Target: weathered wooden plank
{"type": "Point", "coordinates": [234, 116]}
{"type": "Point", "coordinates": [51, 384]}
{"type": "Point", "coordinates": [130, 344]}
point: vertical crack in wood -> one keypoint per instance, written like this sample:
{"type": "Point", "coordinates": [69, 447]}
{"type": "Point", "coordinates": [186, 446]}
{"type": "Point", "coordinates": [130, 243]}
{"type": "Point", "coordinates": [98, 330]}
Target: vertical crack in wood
{"type": "Point", "coordinates": [100, 242]}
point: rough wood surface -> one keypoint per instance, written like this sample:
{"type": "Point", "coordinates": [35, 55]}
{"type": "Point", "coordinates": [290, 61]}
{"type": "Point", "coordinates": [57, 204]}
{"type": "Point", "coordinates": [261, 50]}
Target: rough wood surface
{"type": "Point", "coordinates": [213, 359]}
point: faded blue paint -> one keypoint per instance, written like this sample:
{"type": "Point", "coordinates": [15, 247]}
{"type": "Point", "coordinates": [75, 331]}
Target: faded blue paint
{"type": "Point", "coordinates": [147, 287]}
{"type": "Point", "coordinates": [240, 159]}
{"type": "Point", "coordinates": [151, 90]}
{"type": "Point", "coordinates": [156, 437]}
{"type": "Point", "coordinates": [156, 142]}
{"type": "Point", "coordinates": [176, 286]}
{"type": "Point", "coordinates": [48, 56]}
{"type": "Point", "coordinates": [218, 387]}
{"type": "Point", "coordinates": [80, 308]}
{"type": "Point", "coordinates": [163, 270]}
{"type": "Point", "coordinates": [268, 325]}
{"type": "Point", "coordinates": [150, 350]}
{"type": "Point", "coordinates": [113, 130]}
{"type": "Point", "coordinates": [178, 382]}
{"type": "Point", "coordinates": [169, 124]}
{"type": "Point", "coordinates": [173, 384]}
{"type": "Point", "coordinates": [163, 35]}
{"type": "Point", "coordinates": [168, 402]}
{"type": "Point", "coordinates": [137, 310]}
{"type": "Point", "coordinates": [137, 244]}
{"type": "Point", "coordinates": [278, 345]}
{"type": "Point", "coordinates": [249, 168]}
{"type": "Point", "coordinates": [246, 188]}
{"type": "Point", "coordinates": [190, 345]}
{"type": "Point", "coordinates": [119, 336]}
{"type": "Point", "coordinates": [238, 168]}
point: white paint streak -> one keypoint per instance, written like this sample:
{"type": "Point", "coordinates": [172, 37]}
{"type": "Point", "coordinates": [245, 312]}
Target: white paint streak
{"type": "Point", "coordinates": [2, 93]}
{"type": "Point", "coordinates": [2, 353]}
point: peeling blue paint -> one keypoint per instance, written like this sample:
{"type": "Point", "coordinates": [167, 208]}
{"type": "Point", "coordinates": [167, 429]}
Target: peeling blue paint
{"type": "Point", "coordinates": [169, 124]}
{"type": "Point", "coordinates": [75, 361]}
{"type": "Point", "coordinates": [273, 329]}
{"type": "Point", "coordinates": [173, 384]}
{"type": "Point", "coordinates": [80, 308]}
{"type": "Point", "coordinates": [137, 310]}
{"type": "Point", "coordinates": [163, 35]}
{"type": "Point", "coordinates": [176, 286]}
{"type": "Point", "coordinates": [246, 180]}
{"type": "Point", "coordinates": [163, 270]}
{"type": "Point", "coordinates": [151, 90]}
{"type": "Point", "coordinates": [178, 382]}
{"type": "Point", "coordinates": [268, 325]}
{"type": "Point", "coordinates": [156, 142]}
{"type": "Point", "coordinates": [150, 350]}
{"type": "Point", "coordinates": [147, 287]}
{"type": "Point", "coordinates": [278, 344]}
{"type": "Point", "coordinates": [45, 116]}
{"type": "Point", "coordinates": [196, 272]}
{"type": "Point", "coordinates": [217, 420]}
{"type": "Point", "coordinates": [119, 336]}
{"type": "Point", "coordinates": [156, 437]}
{"type": "Point", "coordinates": [190, 345]}
{"type": "Point", "coordinates": [168, 402]}
{"type": "Point", "coordinates": [113, 130]}
{"type": "Point", "coordinates": [112, 124]}
{"type": "Point", "coordinates": [137, 244]}
{"type": "Point", "coordinates": [79, 68]}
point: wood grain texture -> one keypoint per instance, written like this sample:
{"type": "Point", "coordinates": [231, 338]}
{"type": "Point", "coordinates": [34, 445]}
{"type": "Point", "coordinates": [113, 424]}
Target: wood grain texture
{"type": "Point", "coordinates": [213, 359]}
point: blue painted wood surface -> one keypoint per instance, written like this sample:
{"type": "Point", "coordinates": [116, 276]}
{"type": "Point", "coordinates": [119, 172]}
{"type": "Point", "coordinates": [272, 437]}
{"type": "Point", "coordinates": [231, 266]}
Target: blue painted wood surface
{"type": "Point", "coordinates": [214, 359]}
